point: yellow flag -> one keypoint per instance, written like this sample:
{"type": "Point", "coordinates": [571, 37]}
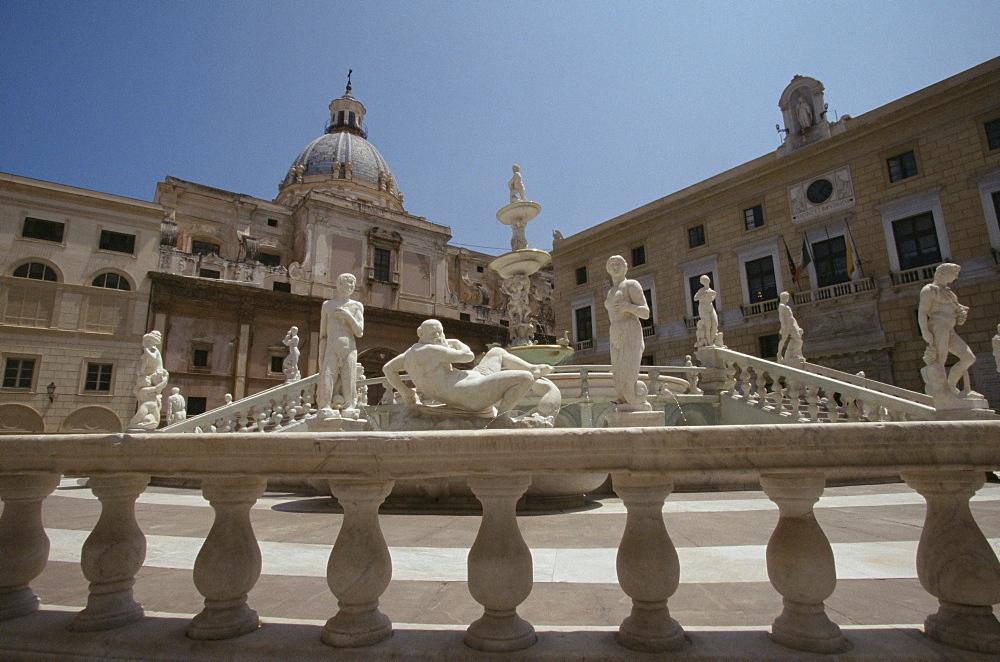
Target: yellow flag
{"type": "Point", "coordinates": [849, 256]}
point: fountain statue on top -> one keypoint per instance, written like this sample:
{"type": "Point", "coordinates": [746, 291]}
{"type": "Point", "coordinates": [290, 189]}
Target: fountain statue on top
{"type": "Point", "coordinates": [515, 269]}
{"type": "Point", "coordinates": [480, 397]}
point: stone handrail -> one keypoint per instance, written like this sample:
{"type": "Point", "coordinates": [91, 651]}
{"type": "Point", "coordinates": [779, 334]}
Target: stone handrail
{"type": "Point", "coordinates": [870, 384]}
{"type": "Point", "coordinates": [943, 461]}
{"type": "Point", "coordinates": [806, 396]}
{"type": "Point", "coordinates": [846, 288]}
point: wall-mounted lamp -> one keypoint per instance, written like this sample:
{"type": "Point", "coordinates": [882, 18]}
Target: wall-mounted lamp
{"type": "Point", "coordinates": [51, 389]}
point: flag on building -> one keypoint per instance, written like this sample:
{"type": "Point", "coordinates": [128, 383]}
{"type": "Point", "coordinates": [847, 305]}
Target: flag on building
{"type": "Point", "coordinates": [849, 256]}
{"type": "Point", "coordinates": [806, 259]}
{"type": "Point", "coordinates": [791, 261]}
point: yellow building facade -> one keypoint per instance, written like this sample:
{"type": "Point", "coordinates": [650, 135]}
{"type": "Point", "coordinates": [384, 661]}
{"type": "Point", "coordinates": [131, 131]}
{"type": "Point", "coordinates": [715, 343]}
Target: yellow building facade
{"type": "Point", "coordinates": [849, 216]}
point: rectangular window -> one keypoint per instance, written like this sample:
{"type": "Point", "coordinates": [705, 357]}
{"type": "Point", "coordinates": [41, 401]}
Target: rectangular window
{"type": "Point", "coordinates": [830, 261]}
{"type": "Point", "coordinates": [902, 166]}
{"type": "Point", "coordinates": [638, 256]}
{"type": "Point", "coordinates": [649, 359]}
{"type": "Point", "coordinates": [118, 242]}
{"type": "Point", "coordinates": [581, 275]}
{"type": "Point", "coordinates": [18, 373]}
{"type": "Point", "coordinates": [199, 358]}
{"type": "Point", "coordinates": [269, 259]}
{"type": "Point", "coordinates": [281, 287]}
{"type": "Point", "coordinates": [760, 279]}
{"type": "Point", "coordinates": [209, 273]}
{"type": "Point", "coordinates": [272, 222]}
{"type": "Point", "coordinates": [993, 133]}
{"type": "Point", "coordinates": [479, 269]}
{"type": "Point", "coordinates": [916, 241]}
{"type": "Point", "coordinates": [584, 328]}
{"type": "Point", "coordinates": [465, 317]}
{"type": "Point", "coordinates": [648, 322]}
{"type": "Point", "coordinates": [196, 405]}
{"type": "Point", "coordinates": [98, 377]}
{"type": "Point", "coordinates": [769, 346]}
{"type": "Point", "coordinates": [277, 364]}
{"type": "Point", "coordinates": [696, 236]}
{"type": "Point", "coordinates": [753, 217]}
{"type": "Point", "coordinates": [996, 205]}
{"type": "Point", "coordinates": [380, 263]}
{"type": "Point", "coordinates": [37, 228]}
{"type": "Point", "coordinates": [204, 248]}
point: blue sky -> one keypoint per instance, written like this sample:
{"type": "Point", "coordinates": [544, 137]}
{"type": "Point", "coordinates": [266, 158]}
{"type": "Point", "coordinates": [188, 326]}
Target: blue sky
{"type": "Point", "coordinates": [605, 106]}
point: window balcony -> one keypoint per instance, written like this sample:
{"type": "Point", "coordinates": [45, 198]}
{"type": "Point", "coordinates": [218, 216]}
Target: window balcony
{"type": "Point", "coordinates": [916, 275]}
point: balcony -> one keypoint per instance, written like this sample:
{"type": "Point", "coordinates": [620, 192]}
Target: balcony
{"type": "Point", "coordinates": [944, 462]}
{"type": "Point", "coordinates": [915, 275]}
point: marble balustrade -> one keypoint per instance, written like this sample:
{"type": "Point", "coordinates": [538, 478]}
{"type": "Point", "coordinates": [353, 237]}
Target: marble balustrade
{"type": "Point", "coordinates": [943, 461]}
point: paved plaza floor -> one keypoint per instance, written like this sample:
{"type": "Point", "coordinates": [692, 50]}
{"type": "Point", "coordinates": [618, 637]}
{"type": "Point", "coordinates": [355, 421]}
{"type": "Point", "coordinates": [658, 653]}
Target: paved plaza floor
{"type": "Point", "coordinates": [720, 538]}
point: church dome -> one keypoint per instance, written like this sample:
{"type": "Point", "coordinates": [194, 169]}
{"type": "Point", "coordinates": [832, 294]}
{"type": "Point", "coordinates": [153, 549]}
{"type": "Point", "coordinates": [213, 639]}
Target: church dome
{"type": "Point", "coordinates": [342, 161]}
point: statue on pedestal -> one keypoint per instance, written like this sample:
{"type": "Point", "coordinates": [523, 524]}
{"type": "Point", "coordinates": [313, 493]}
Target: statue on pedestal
{"type": "Point", "coordinates": [707, 332]}
{"type": "Point", "coordinates": [516, 185]}
{"type": "Point", "coordinates": [790, 341]}
{"type": "Point", "coordinates": [341, 321]}
{"type": "Point", "coordinates": [176, 407]}
{"type": "Point", "coordinates": [150, 380]}
{"type": "Point", "coordinates": [626, 305]}
{"type": "Point", "coordinates": [290, 366]}
{"type": "Point", "coordinates": [938, 314]}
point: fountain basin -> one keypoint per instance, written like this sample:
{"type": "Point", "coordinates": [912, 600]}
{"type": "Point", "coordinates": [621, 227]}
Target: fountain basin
{"type": "Point", "coordinates": [542, 354]}
{"type": "Point", "coordinates": [522, 262]}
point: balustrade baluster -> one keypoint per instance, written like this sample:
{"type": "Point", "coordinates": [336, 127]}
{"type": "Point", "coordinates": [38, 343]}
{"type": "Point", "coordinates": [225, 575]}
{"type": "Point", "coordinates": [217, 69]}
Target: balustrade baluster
{"type": "Point", "coordinates": [648, 567]}
{"type": "Point", "coordinates": [794, 398]}
{"type": "Point", "coordinates": [852, 412]}
{"type": "Point", "coordinates": [24, 547]}
{"type": "Point", "coordinates": [499, 566]}
{"type": "Point", "coordinates": [112, 554]}
{"type": "Point", "coordinates": [800, 565]}
{"type": "Point", "coordinates": [955, 562]}
{"type": "Point", "coordinates": [729, 383]}
{"type": "Point", "coordinates": [360, 567]}
{"type": "Point", "coordinates": [761, 388]}
{"type": "Point", "coordinates": [584, 384]}
{"type": "Point", "coordinates": [812, 403]}
{"type": "Point", "coordinates": [228, 565]}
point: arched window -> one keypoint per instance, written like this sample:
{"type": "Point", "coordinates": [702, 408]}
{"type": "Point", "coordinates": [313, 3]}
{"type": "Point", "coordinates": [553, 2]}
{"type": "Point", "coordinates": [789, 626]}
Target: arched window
{"type": "Point", "coordinates": [112, 281]}
{"type": "Point", "coordinates": [36, 271]}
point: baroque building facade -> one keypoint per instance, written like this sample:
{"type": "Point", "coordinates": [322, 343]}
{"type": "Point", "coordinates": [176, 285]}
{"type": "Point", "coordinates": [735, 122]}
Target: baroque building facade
{"type": "Point", "coordinates": [74, 292]}
{"type": "Point", "coordinates": [235, 271]}
{"type": "Point", "coordinates": [850, 216]}
{"type": "Point", "coordinates": [222, 276]}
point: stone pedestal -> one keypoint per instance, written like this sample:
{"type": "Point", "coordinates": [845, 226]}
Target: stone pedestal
{"type": "Point", "coordinates": [112, 554]}
{"type": "Point", "coordinates": [800, 565]}
{"type": "Point", "coordinates": [24, 547]}
{"type": "Point", "coordinates": [500, 569]}
{"type": "Point", "coordinates": [647, 563]}
{"type": "Point", "coordinates": [635, 419]}
{"type": "Point", "coordinates": [228, 565]}
{"type": "Point", "coordinates": [335, 423]}
{"type": "Point", "coordinates": [955, 562]}
{"type": "Point", "coordinates": [360, 568]}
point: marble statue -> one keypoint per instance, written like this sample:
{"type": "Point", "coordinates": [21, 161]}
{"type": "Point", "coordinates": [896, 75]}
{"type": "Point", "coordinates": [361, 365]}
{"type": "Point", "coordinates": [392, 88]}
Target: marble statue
{"type": "Point", "coordinates": [228, 398]}
{"type": "Point", "coordinates": [996, 348]}
{"type": "Point", "coordinates": [290, 366]}
{"type": "Point", "coordinates": [626, 305]}
{"type": "Point", "coordinates": [790, 340]}
{"type": "Point", "coordinates": [176, 407]}
{"type": "Point", "coordinates": [938, 313]}
{"type": "Point", "coordinates": [707, 333]}
{"type": "Point", "coordinates": [804, 114]}
{"type": "Point", "coordinates": [516, 185]}
{"type": "Point", "coordinates": [341, 321]}
{"type": "Point", "coordinates": [362, 388]}
{"type": "Point", "coordinates": [150, 380]}
{"type": "Point", "coordinates": [490, 389]}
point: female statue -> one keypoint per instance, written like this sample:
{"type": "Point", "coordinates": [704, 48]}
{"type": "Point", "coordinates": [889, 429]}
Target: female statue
{"type": "Point", "coordinates": [626, 305]}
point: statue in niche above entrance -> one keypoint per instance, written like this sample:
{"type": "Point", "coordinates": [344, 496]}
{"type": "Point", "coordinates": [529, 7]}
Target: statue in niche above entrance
{"type": "Point", "coordinates": [938, 314]}
{"type": "Point", "coordinates": [341, 321]}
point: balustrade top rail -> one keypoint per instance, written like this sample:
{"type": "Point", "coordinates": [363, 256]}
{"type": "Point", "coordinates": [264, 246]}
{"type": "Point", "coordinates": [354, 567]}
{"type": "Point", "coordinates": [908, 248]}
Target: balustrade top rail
{"type": "Point", "coordinates": [704, 451]}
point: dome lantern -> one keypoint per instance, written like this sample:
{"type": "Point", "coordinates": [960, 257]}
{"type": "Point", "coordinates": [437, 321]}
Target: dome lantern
{"type": "Point", "coordinates": [347, 113]}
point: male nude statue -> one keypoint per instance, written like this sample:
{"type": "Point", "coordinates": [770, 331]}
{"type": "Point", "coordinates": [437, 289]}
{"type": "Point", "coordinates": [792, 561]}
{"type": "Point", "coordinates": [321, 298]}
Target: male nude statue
{"type": "Point", "coordinates": [516, 185]}
{"type": "Point", "coordinates": [341, 321]}
{"type": "Point", "coordinates": [938, 313]}
{"type": "Point", "coordinates": [429, 365]}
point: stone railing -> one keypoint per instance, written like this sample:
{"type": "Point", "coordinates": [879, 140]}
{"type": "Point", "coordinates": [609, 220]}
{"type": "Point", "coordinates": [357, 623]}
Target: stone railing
{"type": "Point", "coordinates": [914, 275]}
{"type": "Point", "coordinates": [847, 288]}
{"type": "Point", "coordinates": [811, 397]}
{"type": "Point", "coordinates": [943, 461]}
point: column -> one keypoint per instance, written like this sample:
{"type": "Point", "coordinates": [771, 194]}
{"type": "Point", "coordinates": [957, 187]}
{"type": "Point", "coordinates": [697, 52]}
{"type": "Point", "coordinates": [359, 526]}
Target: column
{"type": "Point", "coordinates": [360, 568]}
{"type": "Point", "coordinates": [955, 562]}
{"type": "Point", "coordinates": [228, 565]}
{"type": "Point", "coordinates": [112, 555]}
{"type": "Point", "coordinates": [499, 567]}
{"type": "Point", "coordinates": [800, 565]}
{"type": "Point", "coordinates": [24, 547]}
{"type": "Point", "coordinates": [241, 358]}
{"type": "Point", "coordinates": [648, 567]}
